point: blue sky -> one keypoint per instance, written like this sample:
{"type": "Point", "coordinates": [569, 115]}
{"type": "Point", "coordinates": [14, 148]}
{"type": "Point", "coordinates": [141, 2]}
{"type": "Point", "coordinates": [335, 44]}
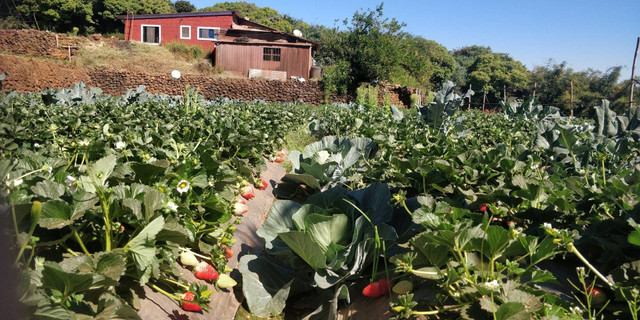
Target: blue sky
{"type": "Point", "coordinates": [585, 34]}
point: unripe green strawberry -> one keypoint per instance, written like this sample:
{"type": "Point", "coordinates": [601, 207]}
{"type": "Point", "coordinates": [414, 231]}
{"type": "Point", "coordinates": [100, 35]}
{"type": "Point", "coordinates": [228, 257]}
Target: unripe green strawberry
{"type": "Point", "coordinates": [403, 287]}
{"type": "Point", "coordinates": [225, 281]}
{"type": "Point", "coordinates": [36, 208]}
{"type": "Point", "coordinates": [188, 259]}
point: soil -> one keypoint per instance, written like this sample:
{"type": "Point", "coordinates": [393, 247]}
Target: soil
{"type": "Point", "coordinates": [34, 74]}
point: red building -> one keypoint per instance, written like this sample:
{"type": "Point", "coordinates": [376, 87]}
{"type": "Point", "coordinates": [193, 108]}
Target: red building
{"type": "Point", "coordinates": [236, 43]}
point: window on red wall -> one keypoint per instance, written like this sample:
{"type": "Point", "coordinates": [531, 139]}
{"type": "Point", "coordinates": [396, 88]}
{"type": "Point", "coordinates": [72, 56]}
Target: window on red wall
{"type": "Point", "coordinates": [207, 33]}
{"type": "Point", "coordinates": [185, 32]}
{"type": "Point", "coordinates": [271, 54]}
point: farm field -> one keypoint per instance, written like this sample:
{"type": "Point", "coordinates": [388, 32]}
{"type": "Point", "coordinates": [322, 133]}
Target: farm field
{"type": "Point", "coordinates": [453, 214]}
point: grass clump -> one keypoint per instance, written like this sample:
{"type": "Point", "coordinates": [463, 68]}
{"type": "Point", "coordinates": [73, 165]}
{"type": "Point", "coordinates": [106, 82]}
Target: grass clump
{"type": "Point", "coordinates": [187, 52]}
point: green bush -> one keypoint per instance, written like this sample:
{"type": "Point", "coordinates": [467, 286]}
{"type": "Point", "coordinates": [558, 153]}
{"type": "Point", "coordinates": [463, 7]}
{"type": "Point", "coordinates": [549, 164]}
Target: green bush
{"type": "Point", "coordinates": [336, 79]}
{"type": "Point", "coordinates": [185, 51]}
{"type": "Point", "coordinates": [386, 99]}
{"type": "Point", "coordinates": [367, 95]}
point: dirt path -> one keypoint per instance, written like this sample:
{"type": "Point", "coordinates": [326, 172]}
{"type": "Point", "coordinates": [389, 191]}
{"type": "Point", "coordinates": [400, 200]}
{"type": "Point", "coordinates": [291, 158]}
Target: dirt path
{"type": "Point", "coordinates": [224, 304]}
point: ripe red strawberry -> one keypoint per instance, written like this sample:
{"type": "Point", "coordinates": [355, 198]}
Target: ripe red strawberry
{"type": "Point", "coordinates": [263, 184]}
{"type": "Point", "coordinates": [205, 271]}
{"type": "Point", "coordinates": [598, 297]}
{"type": "Point", "coordinates": [372, 290]}
{"type": "Point", "coordinates": [248, 193]}
{"type": "Point", "coordinates": [511, 224]}
{"type": "Point", "coordinates": [384, 285]}
{"type": "Point", "coordinates": [278, 159]}
{"type": "Point", "coordinates": [483, 207]}
{"type": "Point", "coordinates": [188, 306]}
{"type": "Point", "coordinates": [228, 252]}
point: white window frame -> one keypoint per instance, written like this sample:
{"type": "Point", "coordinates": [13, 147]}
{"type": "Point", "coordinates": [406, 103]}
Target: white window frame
{"type": "Point", "coordinates": [187, 38]}
{"type": "Point", "coordinates": [208, 39]}
{"type": "Point", "coordinates": [159, 34]}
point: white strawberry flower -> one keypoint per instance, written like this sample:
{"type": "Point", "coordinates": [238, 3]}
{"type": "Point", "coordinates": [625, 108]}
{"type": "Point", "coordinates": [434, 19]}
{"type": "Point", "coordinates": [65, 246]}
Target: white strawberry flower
{"type": "Point", "coordinates": [70, 181]}
{"type": "Point", "coordinates": [14, 183]}
{"type": "Point", "coordinates": [120, 145]}
{"type": "Point", "coordinates": [183, 186]}
{"type": "Point", "coordinates": [172, 206]}
{"type": "Point", "coordinates": [492, 285]}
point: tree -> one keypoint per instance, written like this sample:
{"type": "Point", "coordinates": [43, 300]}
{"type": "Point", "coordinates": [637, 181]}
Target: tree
{"type": "Point", "coordinates": [589, 87]}
{"type": "Point", "coordinates": [492, 71]}
{"type": "Point", "coordinates": [265, 16]}
{"type": "Point", "coordinates": [426, 61]}
{"type": "Point", "coordinates": [371, 45]}
{"type": "Point", "coordinates": [184, 6]}
{"type": "Point", "coordinates": [464, 58]}
{"type": "Point", "coordinates": [59, 15]}
{"type": "Point", "coordinates": [107, 10]}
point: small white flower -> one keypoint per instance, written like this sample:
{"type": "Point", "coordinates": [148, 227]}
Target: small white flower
{"type": "Point", "coordinates": [492, 285]}
{"type": "Point", "coordinates": [37, 145]}
{"type": "Point", "coordinates": [210, 183]}
{"type": "Point", "coordinates": [120, 145]}
{"type": "Point", "coordinates": [517, 232]}
{"type": "Point", "coordinates": [547, 225]}
{"type": "Point", "coordinates": [183, 186]}
{"type": "Point", "coordinates": [70, 181]}
{"type": "Point", "coordinates": [172, 206]}
{"type": "Point", "coordinates": [580, 269]}
{"type": "Point", "coordinates": [535, 166]}
{"type": "Point", "coordinates": [14, 183]}
{"type": "Point", "coordinates": [84, 143]}
{"type": "Point", "coordinates": [576, 310]}
{"type": "Point", "coordinates": [456, 294]}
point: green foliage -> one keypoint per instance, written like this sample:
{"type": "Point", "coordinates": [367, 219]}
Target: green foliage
{"type": "Point", "coordinates": [426, 61]}
{"type": "Point", "coordinates": [464, 58]}
{"type": "Point", "coordinates": [106, 11]}
{"type": "Point", "coordinates": [188, 52]}
{"type": "Point", "coordinates": [491, 72]}
{"type": "Point", "coordinates": [263, 15]}
{"type": "Point", "coordinates": [371, 45]}
{"type": "Point", "coordinates": [184, 6]}
{"type": "Point", "coordinates": [322, 244]}
{"type": "Point", "coordinates": [59, 15]}
{"type": "Point", "coordinates": [589, 87]}
{"type": "Point", "coordinates": [126, 184]}
{"type": "Point", "coordinates": [376, 49]}
{"type": "Point", "coordinates": [367, 95]}
{"type": "Point", "coordinates": [386, 99]}
{"type": "Point", "coordinates": [336, 79]}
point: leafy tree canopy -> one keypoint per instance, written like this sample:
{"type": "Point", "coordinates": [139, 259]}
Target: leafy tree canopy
{"type": "Point", "coordinates": [265, 16]}
{"type": "Point", "coordinates": [58, 15]}
{"type": "Point", "coordinates": [589, 87]}
{"type": "Point", "coordinates": [106, 11]}
{"type": "Point", "coordinates": [492, 71]}
{"type": "Point", "coordinates": [184, 6]}
{"type": "Point", "coordinates": [464, 58]}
